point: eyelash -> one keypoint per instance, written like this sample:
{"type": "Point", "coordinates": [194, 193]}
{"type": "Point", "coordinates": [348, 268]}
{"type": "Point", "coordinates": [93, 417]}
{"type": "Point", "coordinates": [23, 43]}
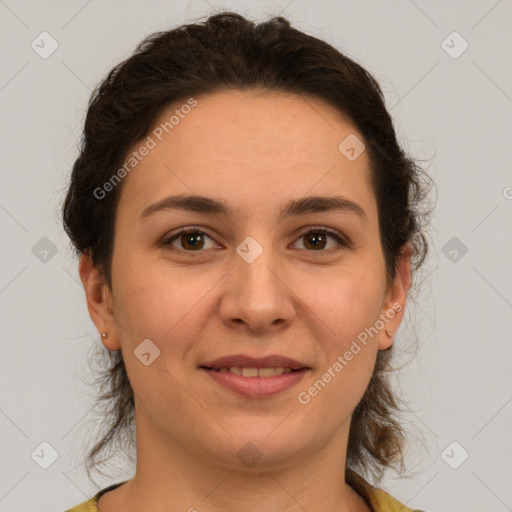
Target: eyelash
{"type": "Point", "coordinates": [344, 242]}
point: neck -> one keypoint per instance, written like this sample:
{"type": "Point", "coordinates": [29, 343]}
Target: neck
{"type": "Point", "coordinates": [171, 478]}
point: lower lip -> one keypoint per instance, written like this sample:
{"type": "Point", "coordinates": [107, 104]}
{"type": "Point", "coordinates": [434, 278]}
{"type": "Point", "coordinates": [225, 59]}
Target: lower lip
{"type": "Point", "coordinates": [257, 387]}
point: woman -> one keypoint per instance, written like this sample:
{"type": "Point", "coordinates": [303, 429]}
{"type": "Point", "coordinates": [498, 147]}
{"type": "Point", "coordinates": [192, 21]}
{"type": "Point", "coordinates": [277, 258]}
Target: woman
{"type": "Point", "coordinates": [247, 226]}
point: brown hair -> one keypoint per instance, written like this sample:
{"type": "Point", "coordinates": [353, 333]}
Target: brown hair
{"type": "Point", "coordinates": [229, 52]}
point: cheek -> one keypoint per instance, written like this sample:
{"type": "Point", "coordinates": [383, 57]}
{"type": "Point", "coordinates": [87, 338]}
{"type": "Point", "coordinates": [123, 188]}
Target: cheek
{"type": "Point", "coordinates": [153, 300]}
{"type": "Point", "coordinates": [164, 306]}
{"type": "Point", "coordinates": [347, 302]}
{"type": "Point", "coordinates": [348, 309]}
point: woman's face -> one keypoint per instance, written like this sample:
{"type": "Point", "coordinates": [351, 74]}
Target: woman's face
{"type": "Point", "coordinates": [248, 281]}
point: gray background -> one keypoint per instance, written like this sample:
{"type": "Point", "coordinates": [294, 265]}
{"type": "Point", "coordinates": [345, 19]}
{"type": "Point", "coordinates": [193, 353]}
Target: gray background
{"type": "Point", "coordinates": [455, 113]}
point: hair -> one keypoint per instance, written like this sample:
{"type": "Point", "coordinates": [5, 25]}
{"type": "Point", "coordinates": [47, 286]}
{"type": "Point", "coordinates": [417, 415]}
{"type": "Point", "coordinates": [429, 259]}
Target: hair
{"type": "Point", "coordinates": [229, 52]}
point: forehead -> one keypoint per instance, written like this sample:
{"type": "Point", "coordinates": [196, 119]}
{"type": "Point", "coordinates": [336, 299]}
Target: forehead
{"type": "Point", "coordinates": [249, 148]}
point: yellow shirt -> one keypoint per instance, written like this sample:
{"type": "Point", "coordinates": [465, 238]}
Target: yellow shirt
{"type": "Point", "coordinates": [380, 500]}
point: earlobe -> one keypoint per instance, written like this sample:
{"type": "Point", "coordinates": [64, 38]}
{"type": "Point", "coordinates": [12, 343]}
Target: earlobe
{"type": "Point", "coordinates": [387, 342]}
{"type": "Point", "coordinates": [99, 301]}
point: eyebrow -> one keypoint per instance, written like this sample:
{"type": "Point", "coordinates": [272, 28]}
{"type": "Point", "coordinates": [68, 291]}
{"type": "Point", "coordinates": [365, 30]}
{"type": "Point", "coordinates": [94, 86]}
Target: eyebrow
{"type": "Point", "coordinates": [209, 205]}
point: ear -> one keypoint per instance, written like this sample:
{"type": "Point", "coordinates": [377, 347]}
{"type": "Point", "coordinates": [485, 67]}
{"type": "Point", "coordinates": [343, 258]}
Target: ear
{"type": "Point", "coordinates": [99, 301]}
{"type": "Point", "coordinates": [394, 303]}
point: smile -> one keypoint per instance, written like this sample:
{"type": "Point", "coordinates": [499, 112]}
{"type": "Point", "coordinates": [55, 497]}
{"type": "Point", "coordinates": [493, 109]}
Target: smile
{"type": "Point", "coordinates": [256, 382]}
{"type": "Point", "coordinates": [254, 372]}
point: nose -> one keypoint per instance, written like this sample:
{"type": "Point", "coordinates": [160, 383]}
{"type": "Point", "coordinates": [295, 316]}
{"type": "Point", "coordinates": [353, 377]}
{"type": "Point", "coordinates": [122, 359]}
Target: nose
{"type": "Point", "coordinates": [256, 295]}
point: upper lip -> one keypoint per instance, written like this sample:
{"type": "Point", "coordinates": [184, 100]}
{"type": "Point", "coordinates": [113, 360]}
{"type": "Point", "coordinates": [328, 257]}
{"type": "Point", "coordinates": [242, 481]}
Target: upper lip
{"type": "Point", "coordinates": [244, 361]}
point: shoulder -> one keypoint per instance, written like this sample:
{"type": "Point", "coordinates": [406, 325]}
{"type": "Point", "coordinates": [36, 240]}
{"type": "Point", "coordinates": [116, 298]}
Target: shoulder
{"type": "Point", "coordinates": [91, 505]}
{"type": "Point", "coordinates": [86, 506]}
{"type": "Point", "coordinates": [381, 501]}
{"type": "Point", "coordinates": [377, 499]}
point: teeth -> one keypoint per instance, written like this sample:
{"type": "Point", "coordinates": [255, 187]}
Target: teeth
{"type": "Point", "coordinates": [249, 372]}
{"type": "Point", "coordinates": [255, 372]}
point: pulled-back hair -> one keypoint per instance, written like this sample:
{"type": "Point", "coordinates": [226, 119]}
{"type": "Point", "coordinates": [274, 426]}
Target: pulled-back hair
{"type": "Point", "coordinates": [228, 52]}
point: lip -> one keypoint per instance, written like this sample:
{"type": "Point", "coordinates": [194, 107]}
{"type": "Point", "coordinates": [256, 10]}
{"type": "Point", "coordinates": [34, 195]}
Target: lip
{"type": "Point", "coordinates": [257, 387]}
{"type": "Point", "coordinates": [244, 361]}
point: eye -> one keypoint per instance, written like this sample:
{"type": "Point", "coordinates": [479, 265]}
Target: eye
{"type": "Point", "coordinates": [317, 240]}
{"type": "Point", "coordinates": [190, 240]}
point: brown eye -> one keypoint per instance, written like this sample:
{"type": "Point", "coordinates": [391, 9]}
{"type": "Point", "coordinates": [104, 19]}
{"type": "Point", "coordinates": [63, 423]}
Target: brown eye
{"type": "Point", "coordinates": [315, 240]}
{"type": "Point", "coordinates": [318, 240]}
{"type": "Point", "coordinates": [191, 240]}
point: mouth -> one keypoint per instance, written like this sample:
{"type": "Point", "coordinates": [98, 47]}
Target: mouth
{"type": "Point", "coordinates": [263, 372]}
{"type": "Point", "coordinates": [249, 366]}
{"type": "Point", "coordinates": [256, 377]}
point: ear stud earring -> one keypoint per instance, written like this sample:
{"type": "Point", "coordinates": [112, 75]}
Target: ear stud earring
{"type": "Point", "coordinates": [104, 335]}
{"type": "Point", "coordinates": [388, 333]}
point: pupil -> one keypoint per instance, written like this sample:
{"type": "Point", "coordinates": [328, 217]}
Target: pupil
{"type": "Point", "coordinates": [318, 239]}
{"type": "Point", "coordinates": [192, 240]}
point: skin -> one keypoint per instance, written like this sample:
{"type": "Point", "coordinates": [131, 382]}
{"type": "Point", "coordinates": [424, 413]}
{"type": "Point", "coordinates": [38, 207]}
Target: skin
{"type": "Point", "coordinates": [256, 152]}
